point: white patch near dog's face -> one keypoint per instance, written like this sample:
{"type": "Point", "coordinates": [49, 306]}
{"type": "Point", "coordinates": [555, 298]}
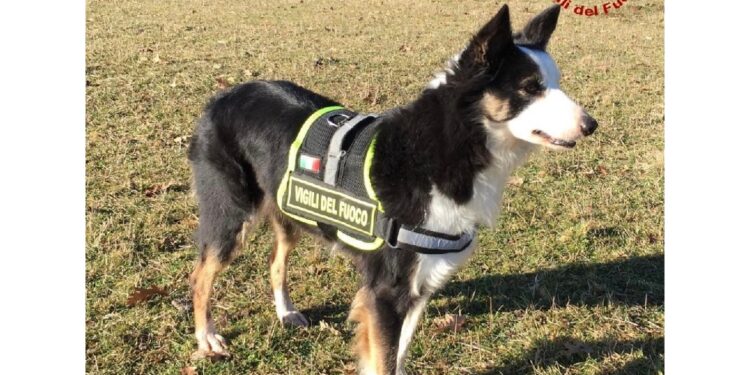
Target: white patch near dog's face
{"type": "Point", "coordinates": [441, 77]}
{"type": "Point", "coordinates": [552, 119]}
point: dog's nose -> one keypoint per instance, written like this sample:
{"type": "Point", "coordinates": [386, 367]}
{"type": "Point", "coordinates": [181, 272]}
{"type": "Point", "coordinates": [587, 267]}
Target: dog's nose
{"type": "Point", "coordinates": [588, 125]}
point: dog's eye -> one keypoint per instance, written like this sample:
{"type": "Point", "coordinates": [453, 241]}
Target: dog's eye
{"type": "Point", "coordinates": [532, 87]}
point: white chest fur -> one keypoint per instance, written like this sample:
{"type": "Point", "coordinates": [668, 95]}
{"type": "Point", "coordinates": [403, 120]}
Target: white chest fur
{"type": "Point", "coordinates": [446, 216]}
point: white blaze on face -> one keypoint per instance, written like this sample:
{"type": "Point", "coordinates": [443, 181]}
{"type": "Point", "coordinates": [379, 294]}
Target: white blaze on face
{"type": "Point", "coordinates": [552, 113]}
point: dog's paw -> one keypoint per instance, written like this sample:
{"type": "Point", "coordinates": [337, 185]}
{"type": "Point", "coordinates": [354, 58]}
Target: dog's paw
{"type": "Point", "coordinates": [207, 354]}
{"type": "Point", "coordinates": [295, 319]}
{"type": "Point", "coordinates": [214, 347]}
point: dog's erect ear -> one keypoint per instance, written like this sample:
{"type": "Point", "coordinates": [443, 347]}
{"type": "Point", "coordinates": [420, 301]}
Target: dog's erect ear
{"type": "Point", "coordinates": [538, 31]}
{"type": "Point", "coordinates": [489, 44]}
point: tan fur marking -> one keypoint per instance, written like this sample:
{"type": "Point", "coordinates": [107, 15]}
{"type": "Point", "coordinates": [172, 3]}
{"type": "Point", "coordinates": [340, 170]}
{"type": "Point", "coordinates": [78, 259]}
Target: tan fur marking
{"type": "Point", "coordinates": [480, 52]}
{"type": "Point", "coordinates": [284, 242]}
{"type": "Point", "coordinates": [240, 241]}
{"type": "Point", "coordinates": [201, 281]}
{"type": "Point", "coordinates": [495, 108]}
{"type": "Point", "coordinates": [368, 343]}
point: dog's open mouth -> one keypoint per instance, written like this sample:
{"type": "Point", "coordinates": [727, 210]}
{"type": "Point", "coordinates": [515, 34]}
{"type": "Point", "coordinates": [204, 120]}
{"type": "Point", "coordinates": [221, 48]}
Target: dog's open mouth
{"type": "Point", "coordinates": [553, 140]}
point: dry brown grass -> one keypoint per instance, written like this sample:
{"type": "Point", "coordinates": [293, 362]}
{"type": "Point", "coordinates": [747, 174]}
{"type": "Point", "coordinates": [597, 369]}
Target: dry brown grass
{"type": "Point", "coordinates": [570, 282]}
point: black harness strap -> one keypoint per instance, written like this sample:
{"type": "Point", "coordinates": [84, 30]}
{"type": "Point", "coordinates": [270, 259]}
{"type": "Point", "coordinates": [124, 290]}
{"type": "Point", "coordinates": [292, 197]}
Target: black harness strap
{"type": "Point", "coordinates": [335, 151]}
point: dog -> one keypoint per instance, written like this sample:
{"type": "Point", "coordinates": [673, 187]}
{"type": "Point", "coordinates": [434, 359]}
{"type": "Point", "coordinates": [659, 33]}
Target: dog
{"type": "Point", "coordinates": [441, 163]}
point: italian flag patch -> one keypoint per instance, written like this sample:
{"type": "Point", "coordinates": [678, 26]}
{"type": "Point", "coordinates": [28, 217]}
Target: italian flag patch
{"type": "Point", "coordinates": [309, 163]}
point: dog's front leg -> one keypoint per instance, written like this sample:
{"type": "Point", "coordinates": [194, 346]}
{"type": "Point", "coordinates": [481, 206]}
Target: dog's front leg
{"type": "Point", "coordinates": [379, 323]}
{"type": "Point", "coordinates": [408, 327]}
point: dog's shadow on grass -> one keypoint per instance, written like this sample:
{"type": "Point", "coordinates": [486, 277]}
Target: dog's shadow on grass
{"type": "Point", "coordinates": [636, 281]}
{"type": "Point", "coordinates": [566, 351]}
{"type": "Point", "coordinates": [632, 281]}
{"type": "Point", "coordinates": [329, 313]}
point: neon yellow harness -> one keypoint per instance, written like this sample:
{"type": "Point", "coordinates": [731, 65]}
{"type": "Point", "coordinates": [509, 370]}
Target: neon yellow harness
{"type": "Point", "coordinates": [303, 196]}
{"type": "Point", "coordinates": [327, 184]}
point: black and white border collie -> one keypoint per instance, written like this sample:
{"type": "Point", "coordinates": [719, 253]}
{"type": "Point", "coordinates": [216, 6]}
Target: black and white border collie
{"type": "Point", "coordinates": [441, 163]}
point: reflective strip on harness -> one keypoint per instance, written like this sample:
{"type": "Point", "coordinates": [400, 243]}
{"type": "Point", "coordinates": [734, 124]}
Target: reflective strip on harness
{"type": "Point", "coordinates": [433, 243]}
{"type": "Point", "coordinates": [421, 240]}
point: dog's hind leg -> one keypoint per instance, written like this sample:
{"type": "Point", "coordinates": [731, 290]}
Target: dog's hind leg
{"type": "Point", "coordinates": [213, 259]}
{"type": "Point", "coordinates": [286, 237]}
{"type": "Point", "coordinates": [201, 281]}
{"type": "Point", "coordinates": [227, 206]}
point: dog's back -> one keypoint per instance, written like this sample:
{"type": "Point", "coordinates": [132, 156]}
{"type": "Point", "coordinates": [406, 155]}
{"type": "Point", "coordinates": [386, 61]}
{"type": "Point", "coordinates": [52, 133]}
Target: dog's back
{"type": "Point", "coordinates": [250, 122]}
{"type": "Point", "coordinates": [238, 153]}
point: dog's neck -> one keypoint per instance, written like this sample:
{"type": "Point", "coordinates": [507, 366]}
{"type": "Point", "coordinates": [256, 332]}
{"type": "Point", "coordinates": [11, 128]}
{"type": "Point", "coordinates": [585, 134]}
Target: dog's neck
{"type": "Point", "coordinates": [465, 164]}
{"type": "Point", "coordinates": [447, 215]}
{"type": "Point", "coordinates": [445, 211]}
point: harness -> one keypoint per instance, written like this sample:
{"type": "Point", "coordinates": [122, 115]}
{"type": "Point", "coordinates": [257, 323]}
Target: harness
{"type": "Point", "coordinates": [327, 184]}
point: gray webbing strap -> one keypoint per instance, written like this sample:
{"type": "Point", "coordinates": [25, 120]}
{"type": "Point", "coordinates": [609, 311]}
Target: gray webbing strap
{"type": "Point", "coordinates": [334, 148]}
{"type": "Point", "coordinates": [434, 242]}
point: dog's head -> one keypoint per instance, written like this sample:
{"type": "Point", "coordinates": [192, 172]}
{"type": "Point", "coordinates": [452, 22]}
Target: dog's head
{"type": "Point", "coordinates": [516, 84]}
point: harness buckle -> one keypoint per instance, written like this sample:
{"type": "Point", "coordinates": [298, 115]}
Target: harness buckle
{"type": "Point", "coordinates": [338, 119]}
{"type": "Point", "coordinates": [391, 233]}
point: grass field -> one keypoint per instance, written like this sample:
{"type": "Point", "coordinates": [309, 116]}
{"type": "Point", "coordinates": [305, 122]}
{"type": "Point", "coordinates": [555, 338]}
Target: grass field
{"type": "Point", "coordinates": [569, 282]}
